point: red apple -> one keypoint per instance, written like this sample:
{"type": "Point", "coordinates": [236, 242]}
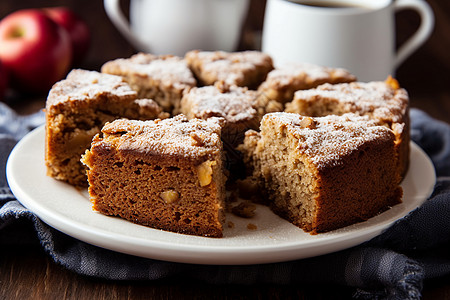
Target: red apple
{"type": "Point", "coordinates": [76, 27]}
{"type": "Point", "coordinates": [4, 79]}
{"type": "Point", "coordinates": [35, 49]}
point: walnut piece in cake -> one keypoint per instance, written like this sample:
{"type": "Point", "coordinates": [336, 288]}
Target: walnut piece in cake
{"type": "Point", "coordinates": [162, 78]}
{"type": "Point", "coordinates": [154, 173]}
{"type": "Point", "coordinates": [282, 82]}
{"type": "Point", "coordinates": [76, 109]}
{"type": "Point", "coordinates": [246, 68]}
{"type": "Point", "coordinates": [325, 173]}
{"type": "Point", "coordinates": [383, 101]}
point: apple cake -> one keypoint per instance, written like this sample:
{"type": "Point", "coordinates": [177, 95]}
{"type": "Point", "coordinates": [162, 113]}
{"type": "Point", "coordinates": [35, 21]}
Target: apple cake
{"type": "Point", "coordinates": [324, 173]}
{"type": "Point", "coordinates": [282, 82]}
{"type": "Point", "coordinates": [76, 109]}
{"type": "Point", "coordinates": [245, 68]}
{"type": "Point", "coordinates": [383, 101]}
{"type": "Point", "coordinates": [165, 174]}
{"type": "Point", "coordinates": [162, 78]}
{"type": "Point", "coordinates": [237, 105]}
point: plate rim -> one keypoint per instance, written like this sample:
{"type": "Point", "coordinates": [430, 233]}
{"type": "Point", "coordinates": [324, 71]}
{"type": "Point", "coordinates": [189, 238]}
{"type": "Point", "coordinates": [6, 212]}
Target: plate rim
{"type": "Point", "coordinates": [190, 253]}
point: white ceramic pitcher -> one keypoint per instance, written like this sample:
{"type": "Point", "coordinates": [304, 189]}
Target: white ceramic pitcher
{"type": "Point", "coordinates": [177, 26]}
{"type": "Point", "coordinates": [359, 36]}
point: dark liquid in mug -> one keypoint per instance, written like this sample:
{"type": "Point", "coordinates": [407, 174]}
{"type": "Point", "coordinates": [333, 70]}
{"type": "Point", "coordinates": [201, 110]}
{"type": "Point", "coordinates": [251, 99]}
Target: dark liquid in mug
{"type": "Point", "coordinates": [330, 5]}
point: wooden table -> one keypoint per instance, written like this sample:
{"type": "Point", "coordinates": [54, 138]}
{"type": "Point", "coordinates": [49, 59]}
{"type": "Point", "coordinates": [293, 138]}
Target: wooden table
{"type": "Point", "coordinates": [28, 273]}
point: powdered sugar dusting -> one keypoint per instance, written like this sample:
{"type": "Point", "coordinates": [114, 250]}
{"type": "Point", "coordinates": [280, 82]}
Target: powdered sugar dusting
{"type": "Point", "coordinates": [175, 136]}
{"type": "Point", "coordinates": [149, 105]}
{"type": "Point", "coordinates": [82, 85]}
{"type": "Point", "coordinates": [309, 73]}
{"type": "Point", "coordinates": [169, 70]}
{"type": "Point", "coordinates": [330, 138]}
{"type": "Point", "coordinates": [376, 98]}
{"type": "Point", "coordinates": [146, 103]}
{"type": "Point", "coordinates": [234, 104]}
{"type": "Point", "coordinates": [230, 67]}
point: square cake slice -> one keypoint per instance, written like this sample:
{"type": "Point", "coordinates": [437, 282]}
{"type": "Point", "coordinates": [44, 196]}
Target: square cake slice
{"type": "Point", "coordinates": [165, 174]}
{"type": "Point", "coordinates": [77, 108]}
{"type": "Point", "coordinates": [383, 101]}
{"type": "Point", "coordinates": [324, 173]}
{"type": "Point", "coordinates": [162, 78]}
{"type": "Point", "coordinates": [237, 105]}
{"type": "Point", "coordinates": [246, 68]}
{"type": "Point", "coordinates": [282, 82]}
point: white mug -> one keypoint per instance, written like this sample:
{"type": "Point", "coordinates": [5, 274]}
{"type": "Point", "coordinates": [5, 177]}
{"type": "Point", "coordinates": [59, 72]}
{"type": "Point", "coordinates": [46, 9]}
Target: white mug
{"type": "Point", "coordinates": [359, 37]}
{"type": "Point", "coordinates": [177, 26]}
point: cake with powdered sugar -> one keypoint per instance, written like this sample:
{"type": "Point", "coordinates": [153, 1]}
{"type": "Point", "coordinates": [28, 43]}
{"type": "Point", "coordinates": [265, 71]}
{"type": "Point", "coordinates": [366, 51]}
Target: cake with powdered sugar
{"type": "Point", "coordinates": [163, 78]}
{"type": "Point", "coordinates": [237, 105]}
{"type": "Point", "coordinates": [282, 82]}
{"type": "Point", "coordinates": [166, 174]}
{"type": "Point", "coordinates": [244, 68]}
{"type": "Point", "coordinates": [324, 173]}
{"type": "Point", "coordinates": [335, 157]}
{"type": "Point", "coordinates": [383, 101]}
{"type": "Point", "coordinates": [77, 108]}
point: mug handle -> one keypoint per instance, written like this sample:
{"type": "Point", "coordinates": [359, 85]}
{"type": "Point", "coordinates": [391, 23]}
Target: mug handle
{"type": "Point", "coordinates": [112, 8]}
{"type": "Point", "coordinates": [422, 34]}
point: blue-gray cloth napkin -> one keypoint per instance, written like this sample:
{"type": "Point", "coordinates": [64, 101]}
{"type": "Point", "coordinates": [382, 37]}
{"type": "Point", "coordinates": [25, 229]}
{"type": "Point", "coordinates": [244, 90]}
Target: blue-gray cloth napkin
{"type": "Point", "coordinates": [390, 266]}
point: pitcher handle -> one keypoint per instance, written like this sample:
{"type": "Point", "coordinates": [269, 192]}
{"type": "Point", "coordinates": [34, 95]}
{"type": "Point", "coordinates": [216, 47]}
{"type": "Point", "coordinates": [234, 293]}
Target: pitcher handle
{"type": "Point", "coordinates": [112, 8]}
{"type": "Point", "coordinates": [422, 33]}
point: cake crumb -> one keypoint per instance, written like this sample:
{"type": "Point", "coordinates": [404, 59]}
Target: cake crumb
{"type": "Point", "coordinates": [230, 224]}
{"type": "Point", "coordinates": [233, 196]}
{"type": "Point", "coordinates": [244, 210]}
{"type": "Point", "coordinates": [248, 188]}
{"type": "Point", "coordinates": [251, 226]}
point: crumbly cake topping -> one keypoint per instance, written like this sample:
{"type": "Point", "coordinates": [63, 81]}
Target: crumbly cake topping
{"type": "Point", "coordinates": [286, 74]}
{"type": "Point", "coordinates": [169, 70]}
{"type": "Point", "coordinates": [82, 85]}
{"type": "Point", "coordinates": [378, 98]}
{"type": "Point", "coordinates": [232, 103]}
{"type": "Point", "coordinates": [230, 66]}
{"type": "Point", "coordinates": [327, 139]}
{"type": "Point", "coordinates": [174, 137]}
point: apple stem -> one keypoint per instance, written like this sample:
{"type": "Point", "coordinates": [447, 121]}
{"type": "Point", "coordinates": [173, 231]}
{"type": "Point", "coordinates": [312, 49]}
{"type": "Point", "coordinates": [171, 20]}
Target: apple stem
{"type": "Point", "coordinates": [17, 32]}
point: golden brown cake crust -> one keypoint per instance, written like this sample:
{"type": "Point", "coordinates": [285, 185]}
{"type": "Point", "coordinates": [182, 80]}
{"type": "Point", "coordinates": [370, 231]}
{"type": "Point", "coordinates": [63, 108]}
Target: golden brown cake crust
{"type": "Point", "coordinates": [325, 173]}
{"type": "Point", "coordinates": [246, 68]}
{"type": "Point", "coordinates": [76, 109]}
{"type": "Point", "coordinates": [163, 174]}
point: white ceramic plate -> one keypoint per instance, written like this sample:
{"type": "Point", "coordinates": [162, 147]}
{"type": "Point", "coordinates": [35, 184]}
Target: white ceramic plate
{"type": "Point", "coordinates": [69, 210]}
